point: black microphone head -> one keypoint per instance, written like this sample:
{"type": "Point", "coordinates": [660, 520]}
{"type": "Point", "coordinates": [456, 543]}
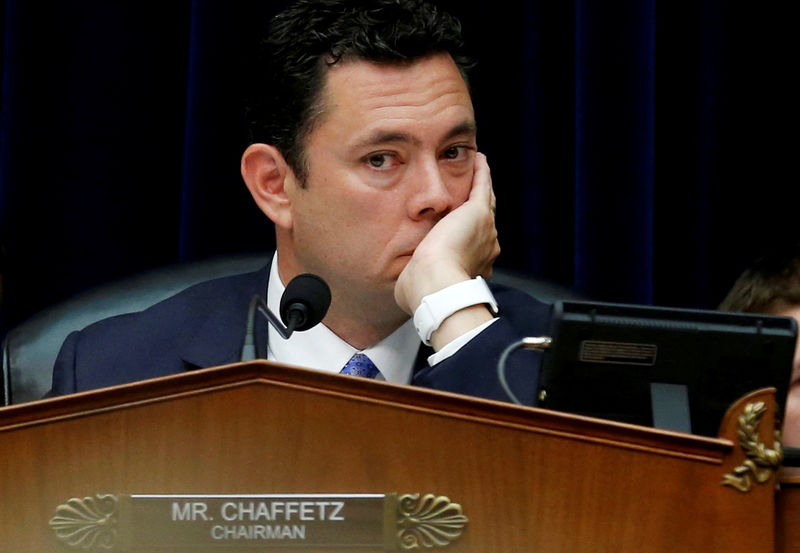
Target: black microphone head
{"type": "Point", "coordinates": [305, 301]}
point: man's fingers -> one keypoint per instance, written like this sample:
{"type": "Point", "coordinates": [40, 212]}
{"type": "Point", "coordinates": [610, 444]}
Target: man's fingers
{"type": "Point", "coordinates": [481, 180]}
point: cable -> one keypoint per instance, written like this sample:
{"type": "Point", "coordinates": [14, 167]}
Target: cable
{"type": "Point", "coordinates": [540, 343]}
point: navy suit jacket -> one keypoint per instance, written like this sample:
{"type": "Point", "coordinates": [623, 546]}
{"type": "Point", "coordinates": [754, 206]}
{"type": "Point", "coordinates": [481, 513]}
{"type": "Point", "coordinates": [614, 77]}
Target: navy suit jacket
{"type": "Point", "coordinates": [204, 326]}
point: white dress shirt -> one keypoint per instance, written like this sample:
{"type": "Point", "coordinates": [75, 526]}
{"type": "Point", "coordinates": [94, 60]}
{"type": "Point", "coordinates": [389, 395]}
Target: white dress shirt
{"type": "Point", "coordinates": [319, 348]}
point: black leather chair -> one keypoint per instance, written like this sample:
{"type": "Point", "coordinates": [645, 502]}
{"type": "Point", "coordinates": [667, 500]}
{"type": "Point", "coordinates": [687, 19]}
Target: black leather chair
{"type": "Point", "coordinates": [30, 349]}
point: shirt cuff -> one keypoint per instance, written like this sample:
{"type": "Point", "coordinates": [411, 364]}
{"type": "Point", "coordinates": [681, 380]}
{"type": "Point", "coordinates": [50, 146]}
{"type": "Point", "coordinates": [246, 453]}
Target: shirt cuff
{"type": "Point", "coordinates": [454, 345]}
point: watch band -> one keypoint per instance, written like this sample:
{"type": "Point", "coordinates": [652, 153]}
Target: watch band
{"type": "Point", "coordinates": [435, 308]}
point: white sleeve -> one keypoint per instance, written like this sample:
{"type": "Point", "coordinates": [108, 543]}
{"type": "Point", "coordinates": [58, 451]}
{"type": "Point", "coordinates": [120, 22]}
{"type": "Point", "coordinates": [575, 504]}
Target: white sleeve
{"type": "Point", "coordinates": [454, 345]}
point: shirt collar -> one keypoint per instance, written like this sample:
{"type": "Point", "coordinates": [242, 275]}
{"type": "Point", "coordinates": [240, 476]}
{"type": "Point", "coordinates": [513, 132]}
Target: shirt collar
{"type": "Point", "coordinates": [319, 348]}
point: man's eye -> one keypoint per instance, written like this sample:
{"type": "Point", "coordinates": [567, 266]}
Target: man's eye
{"type": "Point", "coordinates": [379, 161]}
{"type": "Point", "coordinates": [455, 152]}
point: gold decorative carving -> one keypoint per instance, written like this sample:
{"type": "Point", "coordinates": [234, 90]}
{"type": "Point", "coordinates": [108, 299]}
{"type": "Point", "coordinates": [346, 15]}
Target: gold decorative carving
{"type": "Point", "coordinates": [89, 523]}
{"type": "Point", "coordinates": [761, 461]}
{"type": "Point", "coordinates": [427, 522]}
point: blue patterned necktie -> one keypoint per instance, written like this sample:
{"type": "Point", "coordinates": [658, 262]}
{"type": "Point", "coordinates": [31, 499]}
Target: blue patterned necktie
{"type": "Point", "coordinates": [360, 365]}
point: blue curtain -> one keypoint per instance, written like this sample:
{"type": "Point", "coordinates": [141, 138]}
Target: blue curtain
{"type": "Point", "coordinates": [641, 152]}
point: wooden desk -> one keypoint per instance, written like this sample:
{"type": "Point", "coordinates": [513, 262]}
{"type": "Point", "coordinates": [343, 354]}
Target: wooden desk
{"type": "Point", "coordinates": [528, 480]}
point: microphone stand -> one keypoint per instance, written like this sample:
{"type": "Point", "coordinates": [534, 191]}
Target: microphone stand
{"type": "Point", "coordinates": [304, 303]}
{"type": "Point", "coordinates": [537, 343]}
{"type": "Point", "coordinates": [257, 304]}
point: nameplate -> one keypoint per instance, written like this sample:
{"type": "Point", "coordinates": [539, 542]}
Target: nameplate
{"type": "Point", "coordinates": [143, 522]}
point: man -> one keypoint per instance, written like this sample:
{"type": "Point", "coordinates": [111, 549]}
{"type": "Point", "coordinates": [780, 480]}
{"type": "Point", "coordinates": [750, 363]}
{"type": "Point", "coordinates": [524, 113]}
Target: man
{"type": "Point", "coordinates": [771, 285]}
{"type": "Point", "coordinates": [365, 158]}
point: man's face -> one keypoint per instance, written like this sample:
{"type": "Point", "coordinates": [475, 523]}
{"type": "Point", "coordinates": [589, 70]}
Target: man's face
{"type": "Point", "coordinates": [791, 428]}
{"type": "Point", "coordinates": [392, 154]}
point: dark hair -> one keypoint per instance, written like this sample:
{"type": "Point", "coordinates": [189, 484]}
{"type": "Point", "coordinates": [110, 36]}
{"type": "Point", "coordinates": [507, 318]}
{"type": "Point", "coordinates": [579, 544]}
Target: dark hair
{"type": "Point", "coordinates": [312, 35]}
{"type": "Point", "coordinates": [769, 284]}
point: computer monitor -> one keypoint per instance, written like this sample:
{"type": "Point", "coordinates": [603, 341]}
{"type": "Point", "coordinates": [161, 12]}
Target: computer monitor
{"type": "Point", "coordinates": [678, 369]}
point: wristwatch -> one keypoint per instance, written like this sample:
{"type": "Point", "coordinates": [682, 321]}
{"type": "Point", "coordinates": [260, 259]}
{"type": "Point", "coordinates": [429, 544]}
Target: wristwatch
{"type": "Point", "coordinates": [435, 308]}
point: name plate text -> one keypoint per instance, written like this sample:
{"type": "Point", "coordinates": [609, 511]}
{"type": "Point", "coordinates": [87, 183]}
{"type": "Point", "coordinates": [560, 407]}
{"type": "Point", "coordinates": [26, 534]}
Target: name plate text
{"type": "Point", "coordinates": [108, 522]}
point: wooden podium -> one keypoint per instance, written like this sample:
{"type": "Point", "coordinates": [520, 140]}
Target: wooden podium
{"type": "Point", "coordinates": [491, 477]}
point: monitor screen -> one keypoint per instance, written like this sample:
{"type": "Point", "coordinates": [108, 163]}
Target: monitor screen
{"type": "Point", "coordinates": [678, 369]}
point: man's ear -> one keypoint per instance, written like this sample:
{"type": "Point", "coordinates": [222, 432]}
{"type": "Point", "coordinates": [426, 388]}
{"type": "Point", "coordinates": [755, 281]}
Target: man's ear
{"type": "Point", "coordinates": [265, 172]}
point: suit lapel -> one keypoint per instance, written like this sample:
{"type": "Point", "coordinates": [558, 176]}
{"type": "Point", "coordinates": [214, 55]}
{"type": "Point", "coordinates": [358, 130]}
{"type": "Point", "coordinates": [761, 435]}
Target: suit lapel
{"type": "Point", "coordinates": [219, 335]}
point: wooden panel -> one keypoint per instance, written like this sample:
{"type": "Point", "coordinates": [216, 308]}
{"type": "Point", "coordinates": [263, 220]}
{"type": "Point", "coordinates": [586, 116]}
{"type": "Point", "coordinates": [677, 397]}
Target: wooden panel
{"type": "Point", "coordinates": [788, 513]}
{"type": "Point", "coordinates": [528, 479]}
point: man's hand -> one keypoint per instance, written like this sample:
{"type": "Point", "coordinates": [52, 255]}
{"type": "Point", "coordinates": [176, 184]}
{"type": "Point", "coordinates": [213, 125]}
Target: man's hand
{"type": "Point", "coordinates": [461, 246]}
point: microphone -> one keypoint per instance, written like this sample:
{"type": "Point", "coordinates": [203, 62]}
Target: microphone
{"type": "Point", "coordinates": [304, 304]}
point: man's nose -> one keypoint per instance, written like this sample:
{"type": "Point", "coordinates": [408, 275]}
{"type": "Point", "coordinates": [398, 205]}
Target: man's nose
{"type": "Point", "coordinates": [430, 194]}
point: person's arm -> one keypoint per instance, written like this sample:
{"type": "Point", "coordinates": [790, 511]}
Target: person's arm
{"type": "Point", "coordinates": [461, 246]}
{"type": "Point", "coordinates": [472, 370]}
